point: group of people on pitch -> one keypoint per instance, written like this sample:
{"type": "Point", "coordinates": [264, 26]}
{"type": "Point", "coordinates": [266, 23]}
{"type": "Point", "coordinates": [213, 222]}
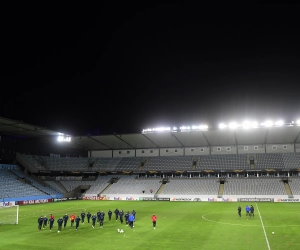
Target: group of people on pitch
{"type": "Point", "coordinates": [249, 211]}
{"type": "Point", "coordinates": [99, 217]}
{"type": "Point", "coordinates": [62, 221]}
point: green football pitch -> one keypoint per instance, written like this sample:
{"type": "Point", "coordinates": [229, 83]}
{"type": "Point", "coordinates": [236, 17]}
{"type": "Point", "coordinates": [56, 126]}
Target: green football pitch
{"type": "Point", "coordinates": [180, 225]}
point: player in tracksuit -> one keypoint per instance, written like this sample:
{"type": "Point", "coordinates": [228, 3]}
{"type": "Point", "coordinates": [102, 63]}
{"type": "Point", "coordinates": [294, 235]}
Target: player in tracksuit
{"type": "Point", "coordinates": [60, 222]}
{"type": "Point", "coordinates": [94, 218]}
{"type": "Point", "coordinates": [117, 213]}
{"type": "Point", "coordinates": [102, 214]}
{"type": "Point", "coordinates": [109, 214]}
{"type": "Point", "coordinates": [126, 218]}
{"type": "Point", "coordinates": [82, 217]}
{"type": "Point", "coordinates": [239, 211]}
{"type": "Point", "coordinates": [121, 213]}
{"type": "Point", "coordinates": [45, 221]}
{"type": "Point", "coordinates": [77, 220]}
{"type": "Point", "coordinates": [251, 211]}
{"type": "Point", "coordinates": [65, 218]}
{"type": "Point", "coordinates": [51, 222]}
{"type": "Point", "coordinates": [98, 216]}
{"type": "Point", "coordinates": [88, 216]}
{"type": "Point", "coordinates": [40, 223]}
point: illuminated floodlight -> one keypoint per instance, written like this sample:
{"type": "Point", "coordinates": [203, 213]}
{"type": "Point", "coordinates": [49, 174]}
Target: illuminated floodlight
{"type": "Point", "coordinates": [62, 138]}
{"type": "Point", "coordinates": [246, 124]}
{"type": "Point", "coordinates": [174, 128]}
{"type": "Point", "coordinates": [222, 126]}
{"type": "Point", "coordinates": [203, 127]}
{"type": "Point", "coordinates": [233, 125]}
{"type": "Point", "coordinates": [298, 122]}
{"type": "Point", "coordinates": [279, 123]}
{"type": "Point", "coordinates": [254, 124]}
{"type": "Point", "coordinates": [267, 124]}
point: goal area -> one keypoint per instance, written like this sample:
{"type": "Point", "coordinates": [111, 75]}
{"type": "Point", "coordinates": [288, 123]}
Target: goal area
{"type": "Point", "coordinates": [9, 214]}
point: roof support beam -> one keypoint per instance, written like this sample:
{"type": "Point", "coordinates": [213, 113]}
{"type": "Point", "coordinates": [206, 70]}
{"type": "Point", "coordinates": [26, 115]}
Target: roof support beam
{"type": "Point", "coordinates": [177, 139]}
{"type": "Point", "coordinates": [150, 140]}
{"type": "Point", "coordinates": [266, 136]}
{"type": "Point", "coordinates": [119, 137]}
{"type": "Point", "coordinates": [98, 142]}
{"type": "Point", "coordinates": [205, 138]}
{"type": "Point", "coordinates": [235, 138]}
{"type": "Point", "coordinates": [297, 137]}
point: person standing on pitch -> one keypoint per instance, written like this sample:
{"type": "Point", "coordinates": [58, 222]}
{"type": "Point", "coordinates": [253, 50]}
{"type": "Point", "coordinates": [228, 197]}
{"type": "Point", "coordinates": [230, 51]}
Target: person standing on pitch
{"type": "Point", "coordinates": [134, 214]}
{"type": "Point", "coordinates": [247, 210]}
{"type": "Point", "coordinates": [51, 222]}
{"type": "Point", "coordinates": [126, 218]}
{"type": "Point", "coordinates": [117, 213]}
{"type": "Point", "coordinates": [109, 214]}
{"type": "Point", "coordinates": [98, 216]}
{"type": "Point", "coordinates": [252, 211]}
{"type": "Point", "coordinates": [121, 216]}
{"type": "Point", "coordinates": [77, 220]}
{"type": "Point", "coordinates": [88, 216]}
{"type": "Point", "coordinates": [45, 221]}
{"type": "Point", "coordinates": [102, 214]}
{"type": "Point", "coordinates": [154, 218]}
{"type": "Point", "coordinates": [82, 217]}
{"type": "Point", "coordinates": [60, 222]}
{"type": "Point", "coordinates": [131, 220]}
{"type": "Point", "coordinates": [40, 223]}
{"type": "Point", "coordinates": [72, 219]}
{"type": "Point", "coordinates": [239, 211]}
{"type": "Point", "coordinates": [65, 218]}
{"type": "Point", "coordinates": [94, 218]}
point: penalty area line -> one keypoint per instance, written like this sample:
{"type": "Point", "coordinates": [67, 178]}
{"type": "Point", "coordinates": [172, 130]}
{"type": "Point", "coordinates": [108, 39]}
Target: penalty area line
{"type": "Point", "coordinates": [263, 227]}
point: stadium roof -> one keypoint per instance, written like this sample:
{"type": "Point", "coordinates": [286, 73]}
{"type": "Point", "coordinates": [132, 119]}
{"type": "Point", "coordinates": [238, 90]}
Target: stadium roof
{"type": "Point", "coordinates": [213, 137]}
{"type": "Point", "coordinates": [278, 135]}
{"type": "Point", "coordinates": [21, 129]}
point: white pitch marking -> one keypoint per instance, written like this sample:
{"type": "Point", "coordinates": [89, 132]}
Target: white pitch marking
{"type": "Point", "coordinates": [263, 227]}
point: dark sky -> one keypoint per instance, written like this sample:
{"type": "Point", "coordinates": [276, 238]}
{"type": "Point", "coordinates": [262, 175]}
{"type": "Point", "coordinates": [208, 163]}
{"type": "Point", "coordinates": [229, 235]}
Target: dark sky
{"type": "Point", "coordinates": [122, 68]}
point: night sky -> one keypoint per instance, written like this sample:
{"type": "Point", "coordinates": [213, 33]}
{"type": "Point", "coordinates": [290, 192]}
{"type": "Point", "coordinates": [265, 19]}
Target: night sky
{"type": "Point", "coordinates": [121, 68]}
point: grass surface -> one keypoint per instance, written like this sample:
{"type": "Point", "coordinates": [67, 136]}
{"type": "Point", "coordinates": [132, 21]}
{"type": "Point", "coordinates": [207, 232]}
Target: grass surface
{"type": "Point", "coordinates": [180, 225]}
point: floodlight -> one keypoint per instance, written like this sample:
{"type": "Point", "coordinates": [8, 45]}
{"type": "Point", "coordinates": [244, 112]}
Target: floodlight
{"type": "Point", "coordinates": [233, 125]}
{"type": "Point", "coordinates": [267, 124]}
{"type": "Point", "coordinates": [254, 124]}
{"type": "Point", "coordinates": [298, 122]}
{"type": "Point", "coordinates": [63, 139]}
{"type": "Point", "coordinates": [279, 123]}
{"type": "Point", "coordinates": [174, 128]}
{"type": "Point", "coordinates": [203, 127]}
{"type": "Point", "coordinates": [246, 124]}
{"type": "Point", "coordinates": [222, 126]}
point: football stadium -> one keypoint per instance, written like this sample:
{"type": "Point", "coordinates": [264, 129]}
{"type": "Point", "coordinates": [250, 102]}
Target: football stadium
{"type": "Point", "coordinates": [166, 187]}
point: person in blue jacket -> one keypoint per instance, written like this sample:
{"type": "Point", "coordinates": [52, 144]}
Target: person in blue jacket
{"type": "Point", "coordinates": [247, 210]}
{"type": "Point", "coordinates": [131, 220]}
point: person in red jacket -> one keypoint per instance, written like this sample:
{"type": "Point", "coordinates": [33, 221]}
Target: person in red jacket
{"type": "Point", "coordinates": [72, 219]}
{"type": "Point", "coordinates": [154, 218]}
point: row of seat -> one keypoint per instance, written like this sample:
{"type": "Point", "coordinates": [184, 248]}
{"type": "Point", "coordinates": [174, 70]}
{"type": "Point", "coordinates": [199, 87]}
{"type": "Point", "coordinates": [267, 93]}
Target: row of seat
{"type": "Point", "coordinates": [167, 163]}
